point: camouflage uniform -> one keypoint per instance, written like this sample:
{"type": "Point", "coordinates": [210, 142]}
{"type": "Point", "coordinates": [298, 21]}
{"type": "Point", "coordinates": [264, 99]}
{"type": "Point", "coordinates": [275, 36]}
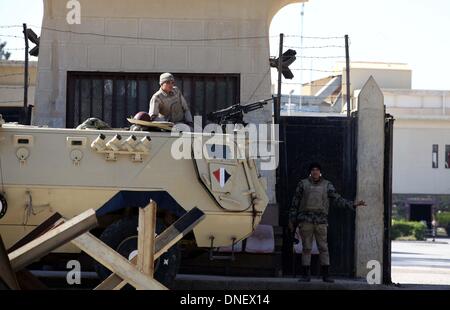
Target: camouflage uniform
{"type": "Point", "coordinates": [171, 107]}
{"type": "Point", "coordinates": [310, 207]}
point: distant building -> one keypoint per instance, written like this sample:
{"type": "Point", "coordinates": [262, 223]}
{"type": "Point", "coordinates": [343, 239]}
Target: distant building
{"type": "Point", "coordinates": [11, 88]}
{"type": "Point", "coordinates": [421, 152]}
{"type": "Point", "coordinates": [315, 99]}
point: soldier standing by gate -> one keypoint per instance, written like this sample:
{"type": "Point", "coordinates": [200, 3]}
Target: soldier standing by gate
{"type": "Point", "coordinates": [309, 211]}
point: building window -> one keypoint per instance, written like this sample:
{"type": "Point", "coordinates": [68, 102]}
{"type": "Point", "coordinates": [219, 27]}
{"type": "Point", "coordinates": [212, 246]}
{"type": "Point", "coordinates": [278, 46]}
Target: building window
{"type": "Point", "coordinates": [435, 156]}
{"type": "Point", "coordinates": [113, 97]}
{"type": "Point", "coordinates": [447, 156]}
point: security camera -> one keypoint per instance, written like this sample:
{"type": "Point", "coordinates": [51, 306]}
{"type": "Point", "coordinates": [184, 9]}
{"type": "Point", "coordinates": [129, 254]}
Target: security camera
{"type": "Point", "coordinates": [115, 143]}
{"type": "Point", "coordinates": [99, 143]}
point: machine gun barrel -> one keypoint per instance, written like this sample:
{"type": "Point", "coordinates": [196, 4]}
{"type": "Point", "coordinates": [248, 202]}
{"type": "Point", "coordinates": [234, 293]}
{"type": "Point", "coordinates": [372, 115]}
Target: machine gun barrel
{"type": "Point", "coordinates": [254, 106]}
{"type": "Point", "coordinates": [235, 113]}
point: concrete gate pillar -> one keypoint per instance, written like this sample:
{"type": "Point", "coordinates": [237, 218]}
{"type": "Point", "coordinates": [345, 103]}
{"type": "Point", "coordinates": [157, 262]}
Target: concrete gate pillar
{"type": "Point", "coordinates": [370, 168]}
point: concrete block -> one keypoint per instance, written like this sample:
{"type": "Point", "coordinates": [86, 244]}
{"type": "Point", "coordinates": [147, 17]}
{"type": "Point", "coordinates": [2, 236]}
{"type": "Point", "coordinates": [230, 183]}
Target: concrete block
{"type": "Point", "coordinates": [40, 119]}
{"type": "Point", "coordinates": [121, 28]}
{"type": "Point", "coordinates": [204, 59]}
{"type": "Point", "coordinates": [43, 108]}
{"type": "Point", "coordinates": [146, 8]}
{"type": "Point", "coordinates": [104, 57]}
{"type": "Point", "coordinates": [60, 107]}
{"type": "Point", "coordinates": [236, 9]}
{"type": "Point", "coordinates": [57, 122]}
{"type": "Point", "coordinates": [96, 26]}
{"type": "Point", "coordinates": [151, 28]}
{"type": "Point", "coordinates": [261, 60]}
{"type": "Point", "coordinates": [258, 30]}
{"type": "Point", "coordinates": [55, 29]}
{"type": "Point", "coordinates": [61, 95]}
{"type": "Point", "coordinates": [235, 60]}
{"type": "Point", "coordinates": [255, 87]}
{"type": "Point", "coordinates": [73, 56]}
{"type": "Point", "coordinates": [222, 29]}
{"type": "Point", "coordinates": [42, 98]}
{"type": "Point", "coordinates": [138, 58]}
{"type": "Point", "coordinates": [45, 56]}
{"type": "Point", "coordinates": [188, 30]}
{"type": "Point", "coordinates": [171, 58]}
{"type": "Point", "coordinates": [45, 80]}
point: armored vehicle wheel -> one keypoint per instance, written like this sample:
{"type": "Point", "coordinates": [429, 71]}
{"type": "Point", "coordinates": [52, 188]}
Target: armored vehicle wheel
{"type": "Point", "coordinates": [3, 286]}
{"type": "Point", "coordinates": [122, 236]}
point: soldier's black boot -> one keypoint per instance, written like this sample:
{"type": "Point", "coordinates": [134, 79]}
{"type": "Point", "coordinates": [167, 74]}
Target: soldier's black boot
{"type": "Point", "coordinates": [326, 274]}
{"type": "Point", "coordinates": [306, 276]}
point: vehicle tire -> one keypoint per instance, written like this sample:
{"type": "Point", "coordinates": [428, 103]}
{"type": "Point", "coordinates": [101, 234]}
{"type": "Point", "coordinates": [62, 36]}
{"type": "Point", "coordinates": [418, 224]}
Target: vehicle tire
{"type": "Point", "coordinates": [122, 236]}
{"type": "Point", "coordinates": [3, 286]}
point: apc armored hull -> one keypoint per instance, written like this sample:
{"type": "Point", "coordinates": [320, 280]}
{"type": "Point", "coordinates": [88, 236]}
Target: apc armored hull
{"type": "Point", "coordinates": [46, 170]}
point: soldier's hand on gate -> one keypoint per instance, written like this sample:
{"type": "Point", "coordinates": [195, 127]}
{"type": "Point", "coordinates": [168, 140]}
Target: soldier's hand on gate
{"type": "Point", "coordinates": [361, 203]}
{"type": "Point", "coordinates": [291, 226]}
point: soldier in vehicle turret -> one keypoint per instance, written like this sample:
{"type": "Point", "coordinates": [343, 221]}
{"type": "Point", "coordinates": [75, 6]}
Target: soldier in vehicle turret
{"type": "Point", "coordinates": [168, 103]}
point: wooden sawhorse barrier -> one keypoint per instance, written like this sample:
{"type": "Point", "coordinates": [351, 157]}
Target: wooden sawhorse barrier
{"type": "Point", "coordinates": [57, 231]}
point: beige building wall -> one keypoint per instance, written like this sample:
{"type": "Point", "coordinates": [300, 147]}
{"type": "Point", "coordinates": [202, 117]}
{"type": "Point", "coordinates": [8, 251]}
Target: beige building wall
{"type": "Point", "coordinates": [424, 104]}
{"type": "Point", "coordinates": [12, 81]}
{"type": "Point", "coordinates": [207, 22]}
{"type": "Point", "coordinates": [387, 75]}
{"type": "Point", "coordinates": [413, 142]}
{"type": "Point", "coordinates": [312, 88]}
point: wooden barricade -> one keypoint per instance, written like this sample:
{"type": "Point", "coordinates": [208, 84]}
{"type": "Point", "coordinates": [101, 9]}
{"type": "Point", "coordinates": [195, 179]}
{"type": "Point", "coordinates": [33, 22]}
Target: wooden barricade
{"type": "Point", "coordinates": [57, 231]}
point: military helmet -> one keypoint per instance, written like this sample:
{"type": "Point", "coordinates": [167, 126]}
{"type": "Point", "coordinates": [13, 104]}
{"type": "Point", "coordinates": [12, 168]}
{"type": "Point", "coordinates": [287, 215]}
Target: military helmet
{"type": "Point", "coordinates": [141, 118]}
{"type": "Point", "coordinates": [166, 77]}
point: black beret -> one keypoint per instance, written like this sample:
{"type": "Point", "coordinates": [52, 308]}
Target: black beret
{"type": "Point", "coordinates": [315, 165]}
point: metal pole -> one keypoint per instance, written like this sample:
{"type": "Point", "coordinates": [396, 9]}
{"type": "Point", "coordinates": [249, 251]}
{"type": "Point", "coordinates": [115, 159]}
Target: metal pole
{"type": "Point", "coordinates": [277, 106]}
{"type": "Point", "coordinates": [25, 85]}
{"type": "Point", "coordinates": [280, 69]}
{"type": "Point", "coordinates": [387, 184]}
{"type": "Point", "coordinates": [349, 176]}
{"type": "Point", "coordinates": [302, 19]}
{"type": "Point", "coordinates": [347, 57]}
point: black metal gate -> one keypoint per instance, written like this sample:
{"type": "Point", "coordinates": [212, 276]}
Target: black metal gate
{"type": "Point", "coordinates": [332, 142]}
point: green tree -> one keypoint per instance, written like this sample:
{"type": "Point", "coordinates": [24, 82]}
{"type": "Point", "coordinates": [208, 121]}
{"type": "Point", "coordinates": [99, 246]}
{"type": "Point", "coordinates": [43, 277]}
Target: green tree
{"type": "Point", "coordinates": [3, 53]}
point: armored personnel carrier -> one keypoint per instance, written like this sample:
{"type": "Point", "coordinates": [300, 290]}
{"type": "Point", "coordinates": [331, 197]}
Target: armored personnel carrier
{"type": "Point", "coordinates": [47, 170]}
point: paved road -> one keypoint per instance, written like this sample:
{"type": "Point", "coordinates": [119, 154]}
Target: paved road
{"type": "Point", "coordinates": [413, 264]}
{"type": "Point", "coordinates": [421, 262]}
